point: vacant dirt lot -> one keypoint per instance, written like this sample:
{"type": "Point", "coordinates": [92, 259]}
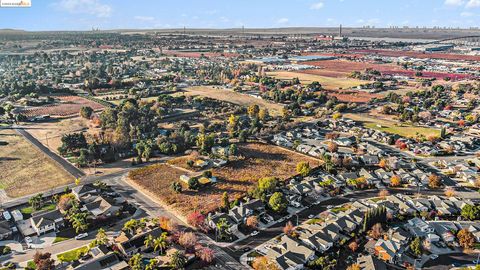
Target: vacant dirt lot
{"type": "Point", "coordinates": [67, 106]}
{"type": "Point", "coordinates": [326, 82]}
{"type": "Point", "coordinates": [260, 160]}
{"type": "Point", "coordinates": [24, 169]}
{"type": "Point", "coordinates": [233, 97]}
{"type": "Point", "coordinates": [52, 131]}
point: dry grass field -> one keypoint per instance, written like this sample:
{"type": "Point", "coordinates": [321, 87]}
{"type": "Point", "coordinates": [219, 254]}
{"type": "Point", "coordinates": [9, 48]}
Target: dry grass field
{"type": "Point", "coordinates": [233, 97]}
{"type": "Point", "coordinates": [326, 82]}
{"type": "Point", "coordinates": [260, 160]}
{"type": "Point", "coordinates": [24, 169]}
{"type": "Point", "coordinates": [52, 131]}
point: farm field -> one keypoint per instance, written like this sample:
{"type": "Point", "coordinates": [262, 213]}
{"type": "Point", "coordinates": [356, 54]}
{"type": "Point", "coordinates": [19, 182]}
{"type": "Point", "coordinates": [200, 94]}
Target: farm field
{"type": "Point", "coordinates": [356, 96]}
{"type": "Point", "coordinates": [342, 68]}
{"type": "Point", "coordinates": [447, 56]}
{"type": "Point", "coordinates": [233, 97]}
{"type": "Point", "coordinates": [26, 170]}
{"type": "Point", "coordinates": [327, 82]}
{"type": "Point", "coordinates": [260, 160]}
{"type": "Point", "coordinates": [393, 127]}
{"type": "Point", "coordinates": [68, 106]}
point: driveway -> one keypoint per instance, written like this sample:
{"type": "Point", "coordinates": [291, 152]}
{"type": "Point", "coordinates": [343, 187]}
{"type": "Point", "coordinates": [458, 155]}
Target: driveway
{"type": "Point", "coordinates": [43, 241]}
{"type": "Point", "coordinates": [14, 245]}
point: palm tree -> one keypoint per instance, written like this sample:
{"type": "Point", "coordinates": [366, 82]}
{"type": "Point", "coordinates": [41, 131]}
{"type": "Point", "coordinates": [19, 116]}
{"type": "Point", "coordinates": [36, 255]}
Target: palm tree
{"type": "Point", "coordinates": [152, 264]}
{"type": "Point", "coordinates": [136, 262]}
{"type": "Point", "coordinates": [178, 260]}
{"type": "Point", "coordinates": [160, 242]}
{"type": "Point", "coordinates": [148, 241]}
{"type": "Point", "coordinates": [79, 221]}
{"type": "Point", "coordinates": [101, 237]}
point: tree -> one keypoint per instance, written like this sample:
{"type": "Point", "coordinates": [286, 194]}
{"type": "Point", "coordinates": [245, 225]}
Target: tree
{"type": "Point", "coordinates": [376, 231]}
{"type": "Point", "coordinates": [152, 264]}
{"type": "Point", "coordinates": [101, 238]}
{"type": "Point", "coordinates": [223, 228]}
{"type": "Point", "coordinates": [178, 260]}
{"type": "Point", "coordinates": [353, 246]}
{"type": "Point", "coordinates": [79, 221]}
{"type": "Point", "coordinates": [165, 223]}
{"type": "Point", "coordinates": [131, 226]}
{"type": "Point", "coordinates": [66, 201]}
{"type": "Point", "coordinates": [288, 228]}
{"type": "Point", "coordinates": [43, 261]}
{"type": "Point", "coordinates": [450, 192]}
{"type": "Point", "coordinates": [267, 184]}
{"type": "Point", "coordinates": [354, 267]}
{"type": "Point", "coordinates": [160, 242]}
{"type": "Point", "coordinates": [196, 219]}
{"type": "Point", "coordinates": [465, 238]}
{"type": "Point", "coordinates": [225, 201]}
{"type": "Point", "coordinates": [253, 111]}
{"type": "Point", "coordinates": [416, 246]}
{"type": "Point", "coordinates": [176, 187]}
{"type": "Point", "coordinates": [383, 193]}
{"type": "Point", "coordinates": [135, 262]}
{"type": "Point", "coordinates": [395, 181]}
{"type": "Point", "coordinates": [193, 183]}
{"type": "Point", "coordinates": [434, 181]}
{"type": "Point", "coordinates": [383, 163]}
{"type": "Point", "coordinates": [205, 254]}
{"type": "Point", "coordinates": [332, 147]}
{"type": "Point", "coordinates": [86, 112]}
{"type": "Point", "coordinates": [263, 114]}
{"type": "Point", "coordinates": [36, 201]}
{"type": "Point", "coordinates": [303, 168]}
{"type": "Point", "coordinates": [277, 202]}
{"type": "Point", "coordinates": [252, 222]}
{"type": "Point", "coordinates": [262, 263]}
{"type": "Point", "coordinates": [187, 240]}
{"type": "Point", "coordinates": [470, 212]}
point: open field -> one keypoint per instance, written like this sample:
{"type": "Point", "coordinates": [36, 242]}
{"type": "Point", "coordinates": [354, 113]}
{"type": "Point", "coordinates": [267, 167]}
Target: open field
{"type": "Point", "coordinates": [68, 106]}
{"type": "Point", "coordinates": [50, 133]}
{"type": "Point", "coordinates": [447, 56]}
{"type": "Point", "coordinates": [233, 97]}
{"type": "Point", "coordinates": [260, 160]}
{"type": "Point", "coordinates": [342, 68]}
{"type": "Point", "coordinates": [326, 82]}
{"type": "Point", "coordinates": [405, 130]}
{"type": "Point", "coordinates": [356, 96]}
{"type": "Point", "coordinates": [24, 169]}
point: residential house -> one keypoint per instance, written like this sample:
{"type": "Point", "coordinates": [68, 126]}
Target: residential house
{"type": "Point", "coordinates": [129, 246]}
{"type": "Point", "coordinates": [290, 254]}
{"type": "Point", "coordinates": [44, 222]}
{"type": "Point", "coordinates": [387, 250]}
{"type": "Point", "coordinates": [371, 263]}
{"type": "Point", "coordinates": [100, 207]}
{"type": "Point", "coordinates": [241, 212]}
{"type": "Point", "coordinates": [5, 230]}
{"type": "Point", "coordinates": [83, 190]}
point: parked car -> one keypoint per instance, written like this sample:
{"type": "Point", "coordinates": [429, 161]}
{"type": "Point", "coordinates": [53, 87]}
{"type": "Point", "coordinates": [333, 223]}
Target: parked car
{"type": "Point", "coordinates": [80, 236]}
{"type": "Point", "coordinates": [311, 216]}
{"type": "Point", "coordinates": [254, 233]}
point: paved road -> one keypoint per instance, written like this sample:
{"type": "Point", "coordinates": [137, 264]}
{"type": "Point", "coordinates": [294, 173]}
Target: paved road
{"type": "Point", "coordinates": [444, 262]}
{"type": "Point", "coordinates": [76, 172]}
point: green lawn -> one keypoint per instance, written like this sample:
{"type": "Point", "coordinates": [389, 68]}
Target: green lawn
{"type": "Point", "coordinates": [29, 210]}
{"type": "Point", "coordinates": [60, 239]}
{"type": "Point", "coordinates": [393, 127]}
{"type": "Point", "coordinates": [405, 130]}
{"type": "Point", "coordinates": [73, 254]}
{"type": "Point", "coordinates": [31, 265]}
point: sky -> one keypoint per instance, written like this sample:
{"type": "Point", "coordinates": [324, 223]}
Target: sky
{"type": "Point", "coordinates": [157, 14]}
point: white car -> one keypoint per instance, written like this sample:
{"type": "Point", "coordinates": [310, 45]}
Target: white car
{"type": "Point", "coordinates": [330, 207]}
{"type": "Point", "coordinates": [254, 233]}
{"type": "Point", "coordinates": [311, 216]}
{"type": "Point", "coordinates": [80, 236]}
{"type": "Point", "coordinates": [28, 239]}
{"type": "Point", "coordinates": [433, 256]}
